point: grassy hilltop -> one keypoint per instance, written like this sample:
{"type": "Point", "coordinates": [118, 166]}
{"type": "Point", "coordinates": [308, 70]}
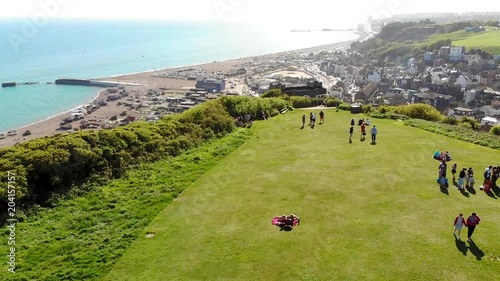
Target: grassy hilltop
{"type": "Point", "coordinates": [412, 39]}
{"type": "Point", "coordinates": [368, 212]}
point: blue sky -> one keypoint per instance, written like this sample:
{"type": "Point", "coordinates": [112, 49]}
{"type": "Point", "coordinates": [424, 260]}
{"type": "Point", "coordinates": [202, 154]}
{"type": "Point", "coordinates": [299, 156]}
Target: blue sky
{"type": "Point", "coordinates": [294, 13]}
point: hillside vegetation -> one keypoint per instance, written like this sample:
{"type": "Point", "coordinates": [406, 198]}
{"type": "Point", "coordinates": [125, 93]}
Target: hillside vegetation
{"type": "Point", "coordinates": [49, 167]}
{"type": "Point", "coordinates": [414, 38]}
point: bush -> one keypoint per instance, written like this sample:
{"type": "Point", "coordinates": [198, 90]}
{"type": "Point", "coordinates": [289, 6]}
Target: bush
{"type": "Point", "coordinates": [305, 102]}
{"type": "Point", "coordinates": [419, 111]}
{"type": "Point", "coordinates": [275, 93]}
{"type": "Point", "coordinates": [344, 106]}
{"type": "Point", "coordinates": [465, 125]}
{"type": "Point", "coordinates": [48, 167]}
{"type": "Point", "coordinates": [332, 102]}
{"type": "Point", "coordinates": [450, 120]}
{"type": "Point", "coordinates": [274, 113]}
{"type": "Point", "coordinates": [461, 132]}
{"type": "Point", "coordinates": [241, 105]}
{"type": "Point", "coordinates": [495, 130]}
{"type": "Point", "coordinates": [367, 109]}
{"type": "Point", "coordinates": [470, 122]}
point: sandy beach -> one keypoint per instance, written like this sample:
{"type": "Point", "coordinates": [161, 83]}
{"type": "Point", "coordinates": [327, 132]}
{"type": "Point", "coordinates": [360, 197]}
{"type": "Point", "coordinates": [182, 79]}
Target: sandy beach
{"type": "Point", "coordinates": [148, 81]}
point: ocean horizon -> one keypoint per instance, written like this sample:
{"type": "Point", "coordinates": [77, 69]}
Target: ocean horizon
{"type": "Point", "coordinates": [95, 49]}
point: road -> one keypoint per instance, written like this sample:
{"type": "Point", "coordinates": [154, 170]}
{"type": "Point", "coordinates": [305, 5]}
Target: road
{"type": "Point", "coordinates": [328, 81]}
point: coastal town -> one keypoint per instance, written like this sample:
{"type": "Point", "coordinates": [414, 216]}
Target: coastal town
{"type": "Point", "coordinates": [454, 79]}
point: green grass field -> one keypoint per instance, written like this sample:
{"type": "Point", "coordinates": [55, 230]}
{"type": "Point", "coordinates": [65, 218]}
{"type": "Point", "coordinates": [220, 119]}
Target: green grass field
{"type": "Point", "coordinates": [488, 41]}
{"type": "Point", "coordinates": [369, 212]}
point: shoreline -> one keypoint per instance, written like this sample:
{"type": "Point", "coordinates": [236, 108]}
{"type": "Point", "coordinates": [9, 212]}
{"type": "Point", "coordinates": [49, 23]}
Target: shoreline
{"type": "Point", "coordinates": [96, 97]}
{"type": "Point", "coordinates": [50, 125]}
{"type": "Point", "coordinates": [235, 59]}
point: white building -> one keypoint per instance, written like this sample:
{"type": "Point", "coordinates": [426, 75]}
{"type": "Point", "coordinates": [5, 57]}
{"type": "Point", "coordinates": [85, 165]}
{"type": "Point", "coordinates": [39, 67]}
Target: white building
{"type": "Point", "coordinates": [374, 76]}
{"type": "Point", "coordinates": [489, 121]}
{"type": "Point", "coordinates": [469, 96]}
{"type": "Point", "coordinates": [457, 53]}
{"type": "Point", "coordinates": [463, 81]}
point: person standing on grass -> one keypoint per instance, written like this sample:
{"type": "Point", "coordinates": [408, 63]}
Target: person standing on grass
{"type": "Point", "coordinates": [494, 176]}
{"type": "Point", "coordinates": [454, 171]}
{"type": "Point", "coordinates": [303, 120]}
{"type": "Point", "coordinates": [310, 119]}
{"type": "Point", "coordinates": [470, 178]}
{"type": "Point", "coordinates": [442, 173]}
{"type": "Point", "coordinates": [374, 134]}
{"type": "Point", "coordinates": [471, 224]}
{"type": "Point", "coordinates": [368, 122]}
{"type": "Point", "coordinates": [351, 131]}
{"type": "Point", "coordinates": [363, 131]}
{"type": "Point", "coordinates": [461, 178]}
{"type": "Point", "coordinates": [459, 224]}
{"type": "Point", "coordinates": [321, 117]}
{"type": "Point", "coordinates": [352, 122]}
{"type": "Point", "coordinates": [314, 119]}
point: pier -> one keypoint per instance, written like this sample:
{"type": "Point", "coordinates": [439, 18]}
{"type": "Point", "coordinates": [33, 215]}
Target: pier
{"type": "Point", "coordinates": [93, 83]}
{"type": "Point", "coordinates": [8, 84]}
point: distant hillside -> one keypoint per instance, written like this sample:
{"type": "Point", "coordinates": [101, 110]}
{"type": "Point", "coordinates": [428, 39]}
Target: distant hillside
{"type": "Point", "coordinates": [405, 39]}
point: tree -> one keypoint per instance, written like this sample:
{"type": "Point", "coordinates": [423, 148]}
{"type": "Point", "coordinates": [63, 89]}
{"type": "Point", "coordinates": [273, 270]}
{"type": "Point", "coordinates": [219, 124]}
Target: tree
{"type": "Point", "coordinates": [272, 93]}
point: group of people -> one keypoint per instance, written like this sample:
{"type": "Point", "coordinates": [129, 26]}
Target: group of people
{"type": "Point", "coordinates": [471, 224]}
{"type": "Point", "coordinates": [491, 175]}
{"type": "Point", "coordinates": [312, 119]}
{"type": "Point", "coordinates": [286, 221]}
{"type": "Point", "coordinates": [466, 176]}
{"type": "Point", "coordinates": [442, 156]}
{"type": "Point", "coordinates": [362, 124]}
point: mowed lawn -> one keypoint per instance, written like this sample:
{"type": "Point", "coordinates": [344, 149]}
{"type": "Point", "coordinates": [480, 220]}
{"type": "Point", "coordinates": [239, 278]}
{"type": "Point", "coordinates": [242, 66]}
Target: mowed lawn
{"type": "Point", "coordinates": [488, 41]}
{"type": "Point", "coordinates": [369, 212]}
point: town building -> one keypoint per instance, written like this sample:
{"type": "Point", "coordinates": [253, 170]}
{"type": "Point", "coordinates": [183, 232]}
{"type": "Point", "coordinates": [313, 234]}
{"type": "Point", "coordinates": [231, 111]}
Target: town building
{"type": "Point", "coordinates": [457, 53]}
{"type": "Point", "coordinates": [210, 84]}
{"type": "Point", "coordinates": [312, 89]}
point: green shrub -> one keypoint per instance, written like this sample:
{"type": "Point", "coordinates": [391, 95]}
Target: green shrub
{"type": "Point", "coordinates": [472, 123]}
{"type": "Point", "coordinates": [241, 105]}
{"type": "Point", "coordinates": [495, 130]}
{"type": "Point", "coordinates": [466, 125]}
{"type": "Point", "coordinates": [274, 113]}
{"type": "Point", "coordinates": [304, 102]}
{"type": "Point", "coordinates": [332, 102]}
{"type": "Point", "coordinates": [419, 111]}
{"type": "Point", "coordinates": [272, 94]}
{"type": "Point", "coordinates": [344, 106]}
{"type": "Point", "coordinates": [367, 108]}
{"type": "Point", "coordinates": [450, 120]}
{"type": "Point", "coordinates": [460, 132]}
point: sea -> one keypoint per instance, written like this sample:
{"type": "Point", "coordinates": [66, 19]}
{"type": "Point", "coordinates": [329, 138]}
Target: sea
{"type": "Point", "coordinates": [31, 52]}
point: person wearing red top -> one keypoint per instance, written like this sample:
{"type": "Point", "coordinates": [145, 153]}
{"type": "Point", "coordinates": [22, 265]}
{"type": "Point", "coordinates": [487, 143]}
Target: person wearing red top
{"type": "Point", "coordinates": [472, 222]}
{"type": "Point", "coordinates": [363, 131]}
